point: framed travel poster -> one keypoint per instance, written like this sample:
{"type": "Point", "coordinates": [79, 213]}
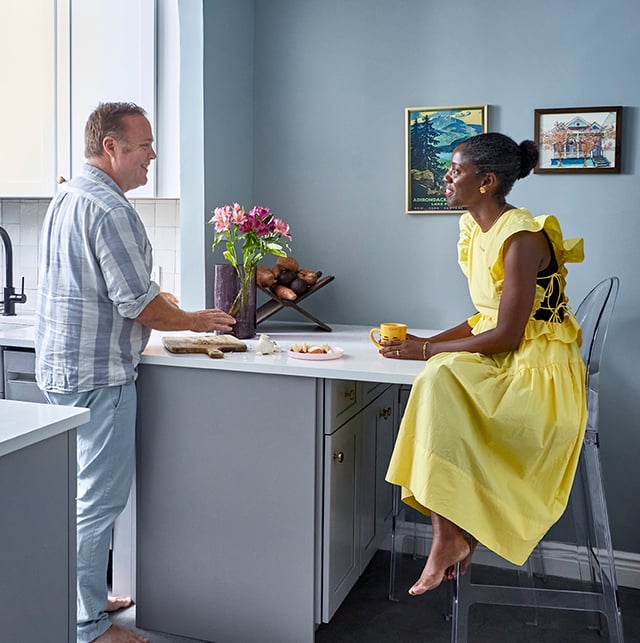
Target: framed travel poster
{"type": "Point", "coordinates": [580, 140]}
{"type": "Point", "coordinates": [432, 133]}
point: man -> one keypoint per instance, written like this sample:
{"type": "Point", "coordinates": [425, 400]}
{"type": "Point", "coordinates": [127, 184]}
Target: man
{"type": "Point", "coordinates": [96, 308]}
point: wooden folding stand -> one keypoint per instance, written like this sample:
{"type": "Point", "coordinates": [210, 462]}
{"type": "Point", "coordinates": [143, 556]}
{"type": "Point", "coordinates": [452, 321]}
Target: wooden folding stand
{"type": "Point", "coordinates": [270, 307]}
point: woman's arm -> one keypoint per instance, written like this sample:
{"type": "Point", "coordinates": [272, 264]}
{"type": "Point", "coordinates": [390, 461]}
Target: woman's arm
{"type": "Point", "coordinates": [457, 332]}
{"type": "Point", "coordinates": [525, 254]}
{"type": "Point", "coordinates": [416, 347]}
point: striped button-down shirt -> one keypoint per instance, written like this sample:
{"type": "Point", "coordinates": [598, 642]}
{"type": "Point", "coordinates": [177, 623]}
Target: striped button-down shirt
{"type": "Point", "coordinates": [94, 280]}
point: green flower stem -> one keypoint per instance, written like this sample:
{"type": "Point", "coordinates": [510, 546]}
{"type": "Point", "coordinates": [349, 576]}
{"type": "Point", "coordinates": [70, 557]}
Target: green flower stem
{"type": "Point", "coordinates": [241, 301]}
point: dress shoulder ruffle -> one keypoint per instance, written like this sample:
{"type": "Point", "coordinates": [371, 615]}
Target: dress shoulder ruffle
{"type": "Point", "coordinates": [520, 220]}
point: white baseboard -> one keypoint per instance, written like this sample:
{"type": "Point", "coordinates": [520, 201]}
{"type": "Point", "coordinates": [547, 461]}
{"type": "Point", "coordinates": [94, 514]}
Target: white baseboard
{"type": "Point", "coordinates": [558, 559]}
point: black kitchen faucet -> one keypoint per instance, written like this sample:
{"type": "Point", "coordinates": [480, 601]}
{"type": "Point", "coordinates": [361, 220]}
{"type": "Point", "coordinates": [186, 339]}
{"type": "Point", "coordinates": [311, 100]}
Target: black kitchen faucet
{"type": "Point", "coordinates": [10, 298]}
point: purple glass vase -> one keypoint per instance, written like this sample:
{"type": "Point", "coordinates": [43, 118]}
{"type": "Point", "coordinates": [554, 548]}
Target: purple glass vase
{"type": "Point", "coordinates": [235, 293]}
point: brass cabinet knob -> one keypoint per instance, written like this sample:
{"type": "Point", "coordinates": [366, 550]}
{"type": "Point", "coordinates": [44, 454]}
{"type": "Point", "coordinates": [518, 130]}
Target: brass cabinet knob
{"type": "Point", "coordinates": [339, 456]}
{"type": "Point", "coordinates": [385, 413]}
{"type": "Point", "coordinates": [350, 394]}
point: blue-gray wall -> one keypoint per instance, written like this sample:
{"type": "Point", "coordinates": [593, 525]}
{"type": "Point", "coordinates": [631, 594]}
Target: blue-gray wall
{"type": "Point", "coordinates": [329, 83]}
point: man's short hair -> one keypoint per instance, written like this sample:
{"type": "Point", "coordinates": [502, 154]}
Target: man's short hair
{"type": "Point", "coordinates": [107, 120]}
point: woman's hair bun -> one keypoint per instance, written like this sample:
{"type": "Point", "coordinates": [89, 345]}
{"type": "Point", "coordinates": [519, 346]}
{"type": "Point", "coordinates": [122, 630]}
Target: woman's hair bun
{"type": "Point", "coordinates": [529, 157]}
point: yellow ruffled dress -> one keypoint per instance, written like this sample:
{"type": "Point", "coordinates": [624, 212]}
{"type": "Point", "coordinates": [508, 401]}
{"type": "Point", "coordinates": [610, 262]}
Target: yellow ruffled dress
{"type": "Point", "coordinates": [491, 442]}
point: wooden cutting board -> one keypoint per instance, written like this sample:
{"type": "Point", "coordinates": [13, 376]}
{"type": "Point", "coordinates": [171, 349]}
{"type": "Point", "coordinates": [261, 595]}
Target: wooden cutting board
{"type": "Point", "coordinates": [213, 345]}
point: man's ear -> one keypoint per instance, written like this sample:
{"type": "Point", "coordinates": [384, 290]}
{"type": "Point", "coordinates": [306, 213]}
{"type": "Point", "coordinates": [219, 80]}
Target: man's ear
{"type": "Point", "coordinates": [109, 145]}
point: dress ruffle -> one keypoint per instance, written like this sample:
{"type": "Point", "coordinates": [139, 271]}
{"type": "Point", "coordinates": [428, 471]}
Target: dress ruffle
{"type": "Point", "coordinates": [568, 331]}
{"type": "Point", "coordinates": [567, 250]}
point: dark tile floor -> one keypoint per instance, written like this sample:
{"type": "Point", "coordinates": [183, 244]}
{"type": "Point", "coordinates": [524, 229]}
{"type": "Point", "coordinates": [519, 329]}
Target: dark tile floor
{"type": "Point", "coordinates": [367, 615]}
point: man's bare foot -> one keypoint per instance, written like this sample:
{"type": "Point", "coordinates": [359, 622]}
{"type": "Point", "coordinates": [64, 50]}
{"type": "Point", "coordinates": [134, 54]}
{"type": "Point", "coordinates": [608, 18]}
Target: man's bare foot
{"type": "Point", "coordinates": [115, 603]}
{"type": "Point", "coordinates": [449, 547]}
{"type": "Point", "coordinates": [117, 634]}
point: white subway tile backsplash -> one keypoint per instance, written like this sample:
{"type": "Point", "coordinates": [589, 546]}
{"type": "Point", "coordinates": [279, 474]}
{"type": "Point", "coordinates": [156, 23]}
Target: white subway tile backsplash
{"type": "Point", "coordinates": [147, 212]}
{"type": "Point", "coordinates": [29, 213]}
{"type": "Point", "coordinates": [30, 234]}
{"type": "Point", "coordinates": [166, 259]}
{"type": "Point", "coordinates": [167, 214]}
{"type": "Point", "coordinates": [165, 239]}
{"type": "Point", "coordinates": [27, 258]}
{"type": "Point", "coordinates": [10, 212]}
{"type": "Point", "coordinates": [22, 219]}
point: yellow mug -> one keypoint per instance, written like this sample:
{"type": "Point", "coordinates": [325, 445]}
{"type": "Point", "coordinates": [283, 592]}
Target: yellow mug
{"type": "Point", "coordinates": [388, 332]}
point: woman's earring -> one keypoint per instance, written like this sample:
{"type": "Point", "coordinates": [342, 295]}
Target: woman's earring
{"type": "Point", "coordinates": [482, 189]}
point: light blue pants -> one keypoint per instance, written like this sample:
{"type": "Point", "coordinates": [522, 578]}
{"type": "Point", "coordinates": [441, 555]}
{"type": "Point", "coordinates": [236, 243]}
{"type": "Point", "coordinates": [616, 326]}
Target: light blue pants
{"type": "Point", "coordinates": [106, 457]}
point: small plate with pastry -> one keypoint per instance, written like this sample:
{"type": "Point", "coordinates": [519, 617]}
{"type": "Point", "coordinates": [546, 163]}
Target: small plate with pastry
{"type": "Point", "coordinates": [315, 352]}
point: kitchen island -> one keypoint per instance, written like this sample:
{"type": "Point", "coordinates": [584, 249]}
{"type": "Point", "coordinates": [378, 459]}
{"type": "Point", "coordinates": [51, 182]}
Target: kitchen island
{"type": "Point", "coordinates": [37, 521]}
{"type": "Point", "coordinates": [260, 482]}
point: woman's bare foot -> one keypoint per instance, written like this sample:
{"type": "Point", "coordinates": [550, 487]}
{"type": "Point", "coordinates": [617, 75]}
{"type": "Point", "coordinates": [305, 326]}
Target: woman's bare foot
{"type": "Point", "coordinates": [117, 634]}
{"type": "Point", "coordinates": [449, 547]}
{"type": "Point", "coordinates": [464, 563]}
{"type": "Point", "coordinates": [115, 603]}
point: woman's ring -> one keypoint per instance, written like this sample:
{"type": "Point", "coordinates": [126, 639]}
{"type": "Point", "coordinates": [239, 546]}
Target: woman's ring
{"type": "Point", "coordinates": [398, 353]}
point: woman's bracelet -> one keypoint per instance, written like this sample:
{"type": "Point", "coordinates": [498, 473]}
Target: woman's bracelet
{"type": "Point", "coordinates": [424, 350]}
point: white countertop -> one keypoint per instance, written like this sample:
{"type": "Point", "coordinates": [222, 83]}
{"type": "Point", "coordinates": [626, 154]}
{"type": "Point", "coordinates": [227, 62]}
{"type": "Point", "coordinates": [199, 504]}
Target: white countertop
{"type": "Point", "coordinates": [17, 330]}
{"type": "Point", "coordinates": [25, 423]}
{"type": "Point", "coordinates": [360, 361]}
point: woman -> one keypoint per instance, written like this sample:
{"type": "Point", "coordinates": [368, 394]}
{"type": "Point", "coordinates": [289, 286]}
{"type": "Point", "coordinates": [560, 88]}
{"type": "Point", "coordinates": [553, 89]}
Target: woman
{"type": "Point", "coordinates": [490, 439]}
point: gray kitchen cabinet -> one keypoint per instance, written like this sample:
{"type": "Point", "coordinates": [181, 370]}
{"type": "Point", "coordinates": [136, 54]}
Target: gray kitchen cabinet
{"type": "Point", "coordinates": [226, 504]}
{"type": "Point", "coordinates": [376, 507]}
{"type": "Point", "coordinates": [341, 547]}
{"type": "Point", "coordinates": [260, 499]}
{"type": "Point", "coordinates": [37, 541]}
{"type": "Point", "coordinates": [357, 500]}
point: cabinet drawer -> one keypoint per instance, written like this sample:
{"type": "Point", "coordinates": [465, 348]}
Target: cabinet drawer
{"type": "Point", "coordinates": [371, 390]}
{"type": "Point", "coordinates": [17, 360]}
{"type": "Point", "coordinates": [19, 377]}
{"type": "Point", "coordinates": [342, 401]}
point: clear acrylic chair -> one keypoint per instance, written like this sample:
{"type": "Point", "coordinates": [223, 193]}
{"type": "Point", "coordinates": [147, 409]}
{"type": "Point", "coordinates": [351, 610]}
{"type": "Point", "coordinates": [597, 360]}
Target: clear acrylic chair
{"type": "Point", "coordinates": [598, 592]}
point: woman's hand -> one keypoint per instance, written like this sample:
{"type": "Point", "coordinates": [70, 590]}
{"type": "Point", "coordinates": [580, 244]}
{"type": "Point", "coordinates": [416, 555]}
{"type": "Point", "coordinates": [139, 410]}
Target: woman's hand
{"type": "Point", "coordinates": [411, 348]}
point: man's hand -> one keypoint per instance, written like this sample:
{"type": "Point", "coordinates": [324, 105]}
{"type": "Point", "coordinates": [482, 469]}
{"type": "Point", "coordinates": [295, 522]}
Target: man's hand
{"type": "Point", "coordinates": [161, 314]}
{"type": "Point", "coordinates": [204, 321]}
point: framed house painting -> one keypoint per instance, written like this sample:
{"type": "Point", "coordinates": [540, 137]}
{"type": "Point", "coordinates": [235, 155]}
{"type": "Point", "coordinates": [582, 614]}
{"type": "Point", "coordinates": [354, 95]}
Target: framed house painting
{"type": "Point", "coordinates": [432, 133]}
{"type": "Point", "coordinates": [580, 140]}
